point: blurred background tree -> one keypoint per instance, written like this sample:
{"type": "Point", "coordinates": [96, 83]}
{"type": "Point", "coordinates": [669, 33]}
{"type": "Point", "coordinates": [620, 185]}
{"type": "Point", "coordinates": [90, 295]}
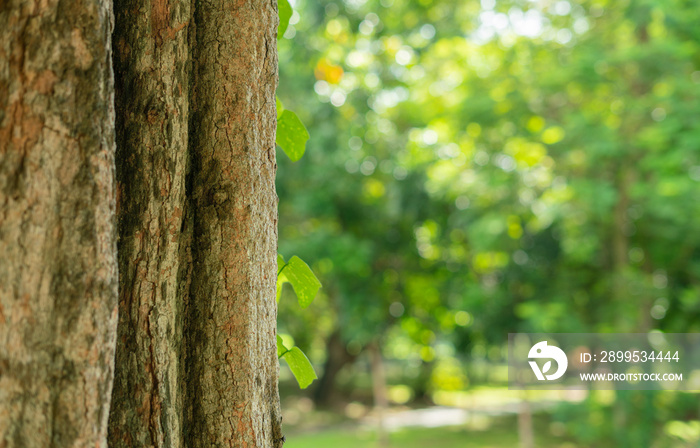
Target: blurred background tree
{"type": "Point", "coordinates": [480, 168]}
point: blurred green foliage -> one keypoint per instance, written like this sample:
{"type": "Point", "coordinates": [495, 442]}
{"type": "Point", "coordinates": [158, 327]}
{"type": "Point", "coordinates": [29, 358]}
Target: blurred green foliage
{"type": "Point", "coordinates": [479, 168]}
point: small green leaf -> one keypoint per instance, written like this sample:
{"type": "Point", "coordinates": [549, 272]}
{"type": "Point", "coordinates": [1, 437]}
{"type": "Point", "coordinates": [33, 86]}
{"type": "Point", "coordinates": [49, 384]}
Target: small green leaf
{"type": "Point", "coordinates": [299, 364]}
{"type": "Point", "coordinates": [285, 10]}
{"type": "Point", "coordinates": [303, 280]}
{"type": "Point", "coordinates": [281, 349]}
{"type": "Point", "coordinates": [280, 263]}
{"type": "Point", "coordinates": [280, 106]}
{"type": "Point", "coordinates": [291, 135]}
{"type": "Point", "coordinates": [281, 280]}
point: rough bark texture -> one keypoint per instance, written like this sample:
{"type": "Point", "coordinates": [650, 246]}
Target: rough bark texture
{"type": "Point", "coordinates": [58, 267]}
{"type": "Point", "coordinates": [198, 218]}
{"type": "Point", "coordinates": [152, 102]}
{"type": "Point", "coordinates": [232, 319]}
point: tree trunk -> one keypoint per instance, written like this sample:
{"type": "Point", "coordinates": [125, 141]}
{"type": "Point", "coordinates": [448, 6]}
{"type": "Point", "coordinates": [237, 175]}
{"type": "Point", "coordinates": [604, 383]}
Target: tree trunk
{"type": "Point", "coordinates": [422, 388]}
{"type": "Point", "coordinates": [58, 267]}
{"type": "Point", "coordinates": [232, 368]}
{"type": "Point", "coordinates": [379, 391]}
{"type": "Point", "coordinates": [152, 82]}
{"type": "Point", "coordinates": [337, 358]}
{"type": "Point", "coordinates": [526, 430]}
{"type": "Point", "coordinates": [620, 249]}
{"type": "Point", "coordinates": [196, 356]}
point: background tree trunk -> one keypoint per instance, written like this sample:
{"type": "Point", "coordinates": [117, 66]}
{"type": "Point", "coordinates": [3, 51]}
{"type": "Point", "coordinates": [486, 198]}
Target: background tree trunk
{"type": "Point", "coordinates": [381, 402]}
{"type": "Point", "coordinates": [526, 429]}
{"type": "Point", "coordinates": [58, 267]}
{"type": "Point", "coordinates": [196, 359]}
{"type": "Point", "coordinates": [337, 357]}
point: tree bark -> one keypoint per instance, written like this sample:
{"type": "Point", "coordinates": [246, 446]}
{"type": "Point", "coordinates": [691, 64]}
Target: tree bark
{"type": "Point", "coordinates": [152, 82]}
{"type": "Point", "coordinates": [232, 367]}
{"type": "Point", "coordinates": [58, 269]}
{"type": "Point", "coordinates": [196, 359]}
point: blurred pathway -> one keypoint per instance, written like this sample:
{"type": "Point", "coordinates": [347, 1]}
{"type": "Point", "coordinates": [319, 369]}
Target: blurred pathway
{"type": "Point", "coordinates": [427, 418]}
{"type": "Point", "coordinates": [437, 416]}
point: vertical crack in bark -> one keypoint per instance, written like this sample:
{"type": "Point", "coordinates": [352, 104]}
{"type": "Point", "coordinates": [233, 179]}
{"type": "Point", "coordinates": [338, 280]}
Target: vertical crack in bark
{"type": "Point", "coordinates": [152, 73]}
{"type": "Point", "coordinates": [198, 217]}
{"type": "Point", "coordinates": [189, 381]}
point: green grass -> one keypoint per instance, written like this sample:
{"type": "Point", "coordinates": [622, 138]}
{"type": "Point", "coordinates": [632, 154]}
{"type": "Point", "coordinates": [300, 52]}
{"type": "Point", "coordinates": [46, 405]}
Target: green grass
{"type": "Point", "coordinates": [499, 433]}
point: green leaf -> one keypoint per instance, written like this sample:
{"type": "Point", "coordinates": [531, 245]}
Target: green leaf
{"type": "Point", "coordinates": [285, 14]}
{"type": "Point", "coordinates": [291, 135]}
{"type": "Point", "coordinates": [303, 280]}
{"type": "Point", "coordinates": [281, 280]}
{"type": "Point", "coordinates": [280, 106]}
{"type": "Point", "coordinates": [299, 364]}
{"type": "Point", "coordinates": [280, 263]}
{"type": "Point", "coordinates": [281, 349]}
